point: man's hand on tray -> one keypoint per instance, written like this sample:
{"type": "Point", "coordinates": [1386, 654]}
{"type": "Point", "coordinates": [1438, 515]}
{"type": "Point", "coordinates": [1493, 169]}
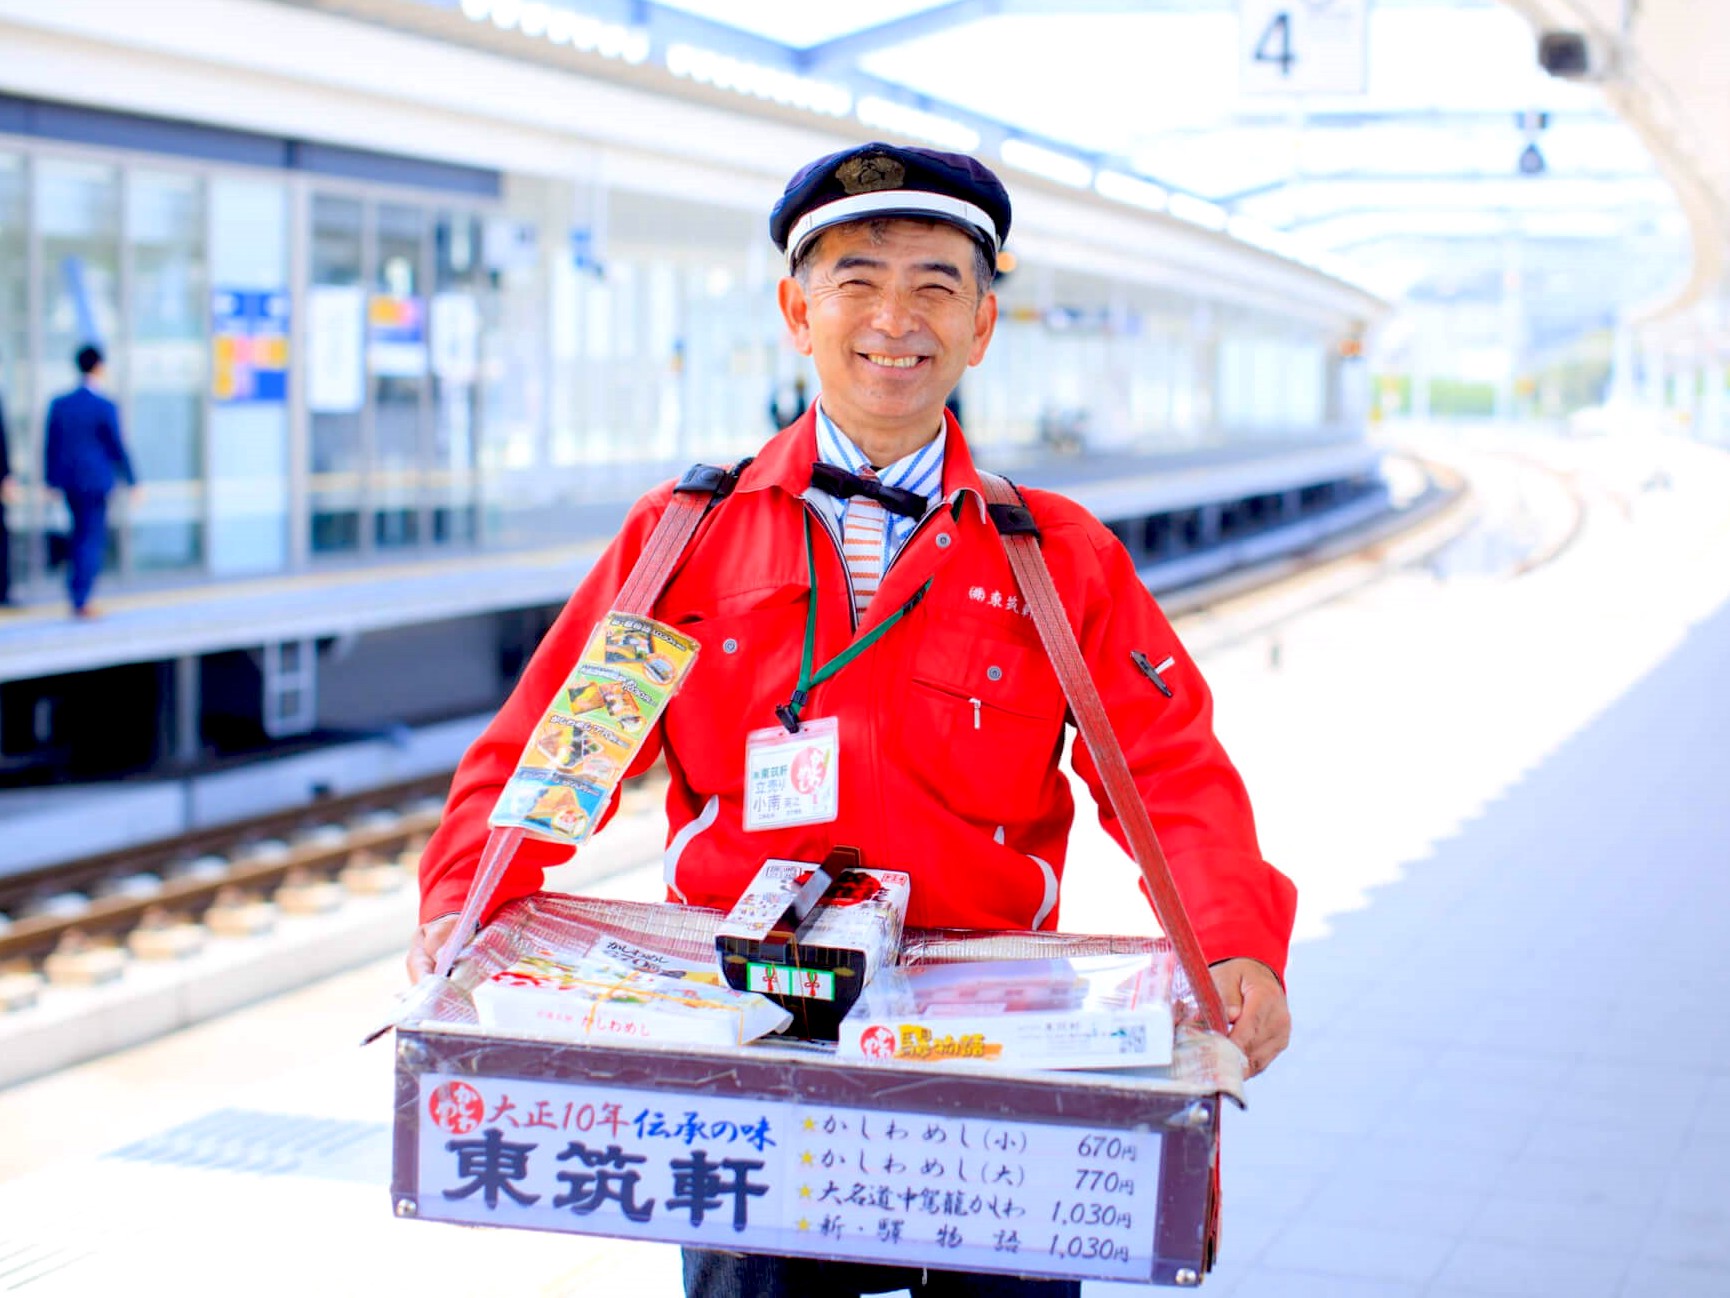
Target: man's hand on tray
{"type": "Point", "coordinates": [1255, 1007]}
{"type": "Point", "coordinates": [429, 940]}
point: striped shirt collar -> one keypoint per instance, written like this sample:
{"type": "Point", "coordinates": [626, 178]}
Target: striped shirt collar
{"type": "Point", "coordinates": [921, 473]}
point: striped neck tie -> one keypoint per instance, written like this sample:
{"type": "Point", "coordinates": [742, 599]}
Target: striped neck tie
{"type": "Point", "coordinates": [862, 537]}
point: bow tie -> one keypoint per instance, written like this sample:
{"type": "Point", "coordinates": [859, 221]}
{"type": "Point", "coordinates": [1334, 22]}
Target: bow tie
{"type": "Point", "coordinates": [843, 485]}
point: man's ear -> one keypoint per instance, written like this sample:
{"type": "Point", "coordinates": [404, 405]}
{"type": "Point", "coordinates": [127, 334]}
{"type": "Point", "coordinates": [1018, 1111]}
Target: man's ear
{"type": "Point", "coordinates": [984, 325]}
{"type": "Point", "coordinates": [796, 311]}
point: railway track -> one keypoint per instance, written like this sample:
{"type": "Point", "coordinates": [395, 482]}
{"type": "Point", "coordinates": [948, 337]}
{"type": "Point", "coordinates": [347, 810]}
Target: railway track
{"type": "Point", "coordinates": [70, 923]}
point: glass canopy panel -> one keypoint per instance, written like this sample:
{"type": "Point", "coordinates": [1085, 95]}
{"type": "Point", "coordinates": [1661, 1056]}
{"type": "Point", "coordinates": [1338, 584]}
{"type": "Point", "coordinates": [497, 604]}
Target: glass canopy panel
{"type": "Point", "coordinates": [1137, 85]}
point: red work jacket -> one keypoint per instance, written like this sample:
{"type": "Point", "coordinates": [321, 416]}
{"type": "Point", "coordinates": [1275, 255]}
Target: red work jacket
{"type": "Point", "coordinates": [951, 725]}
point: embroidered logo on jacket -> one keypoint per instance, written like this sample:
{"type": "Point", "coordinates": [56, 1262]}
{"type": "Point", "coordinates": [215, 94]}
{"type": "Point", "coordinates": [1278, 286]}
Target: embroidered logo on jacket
{"type": "Point", "coordinates": [997, 599]}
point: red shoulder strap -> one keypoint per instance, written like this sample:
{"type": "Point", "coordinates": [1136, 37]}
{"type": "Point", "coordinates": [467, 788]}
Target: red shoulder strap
{"type": "Point", "coordinates": [1021, 540]}
{"type": "Point", "coordinates": [700, 488]}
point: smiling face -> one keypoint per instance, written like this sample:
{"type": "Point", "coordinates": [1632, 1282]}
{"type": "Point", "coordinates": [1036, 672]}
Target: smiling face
{"type": "Point", "coordinates": [891, 313]}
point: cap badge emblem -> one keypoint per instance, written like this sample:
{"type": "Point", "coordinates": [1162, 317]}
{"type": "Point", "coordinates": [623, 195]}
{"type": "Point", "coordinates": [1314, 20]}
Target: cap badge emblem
{"type": "Point", "coordinates": [866, 175]}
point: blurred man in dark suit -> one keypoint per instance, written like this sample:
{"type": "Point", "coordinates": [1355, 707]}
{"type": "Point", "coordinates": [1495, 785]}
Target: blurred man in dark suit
{"type": "Point", "coordinates": [85, 457]}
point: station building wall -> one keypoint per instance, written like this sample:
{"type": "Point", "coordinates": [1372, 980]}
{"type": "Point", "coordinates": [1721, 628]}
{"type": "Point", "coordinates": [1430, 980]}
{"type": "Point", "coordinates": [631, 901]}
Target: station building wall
{"type": "Point", "coordinates": [325, 356]}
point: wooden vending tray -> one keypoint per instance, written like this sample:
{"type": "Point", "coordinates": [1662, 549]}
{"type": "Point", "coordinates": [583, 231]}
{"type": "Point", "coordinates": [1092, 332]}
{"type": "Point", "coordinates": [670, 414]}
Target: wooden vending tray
{"type": "Point", "coordinates": [779, 1148]}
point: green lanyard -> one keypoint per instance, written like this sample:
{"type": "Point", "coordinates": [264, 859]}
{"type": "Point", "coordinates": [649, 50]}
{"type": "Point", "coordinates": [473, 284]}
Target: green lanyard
{"type": "Point", "coordinates": [809, 680]}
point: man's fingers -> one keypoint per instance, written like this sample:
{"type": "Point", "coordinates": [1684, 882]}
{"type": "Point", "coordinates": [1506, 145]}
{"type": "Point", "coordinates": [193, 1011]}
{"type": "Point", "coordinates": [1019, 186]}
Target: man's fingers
{"type": "Point", "coordinates": [1264, 1028]}
{"type": "Point", "coordinates": [419, 963]}
{"type": "Point", "coordinates": [1255, 1009]}
{"type": "Point", "coordinates": [429, 941]}
{"type": "Point", "coordinates": [1229, 981]}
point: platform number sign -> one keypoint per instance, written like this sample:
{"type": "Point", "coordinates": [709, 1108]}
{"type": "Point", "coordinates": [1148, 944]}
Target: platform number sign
{"type": "Point", "coordinates": [1302, 47]}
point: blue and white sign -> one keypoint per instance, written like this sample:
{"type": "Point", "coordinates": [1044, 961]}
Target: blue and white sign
{"type": "Point", "coordinates": [789, 1178]}
{"type": "Point", "coordinates": [249, 345]}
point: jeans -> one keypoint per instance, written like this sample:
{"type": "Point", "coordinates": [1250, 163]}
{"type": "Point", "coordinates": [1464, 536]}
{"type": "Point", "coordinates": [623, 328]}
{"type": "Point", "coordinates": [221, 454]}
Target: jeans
{"type": "Point", "coordinates": [735, 1275]}
{"type": "Point", "coordinates": [88, 544]}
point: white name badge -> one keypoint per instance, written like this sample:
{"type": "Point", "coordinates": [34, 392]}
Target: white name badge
{"type": "Point", "coordinates": [793, 779]}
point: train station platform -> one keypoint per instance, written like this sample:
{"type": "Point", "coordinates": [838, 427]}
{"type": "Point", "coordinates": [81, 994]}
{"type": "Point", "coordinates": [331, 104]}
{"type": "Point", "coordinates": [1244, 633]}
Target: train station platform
{"type": "Point", "coordinates": [1502, 800]}
{"type": "Point", "coordinates": [213, 616]}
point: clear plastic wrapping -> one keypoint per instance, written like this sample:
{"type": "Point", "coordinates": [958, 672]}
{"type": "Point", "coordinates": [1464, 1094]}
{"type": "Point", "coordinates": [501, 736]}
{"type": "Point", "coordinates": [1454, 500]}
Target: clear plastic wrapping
{"type": "Point", "coordinates": [569, 927]}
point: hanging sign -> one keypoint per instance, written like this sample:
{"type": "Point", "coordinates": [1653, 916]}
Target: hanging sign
{"type": "Point", "coordinates": [456, 334]}
{"type": "Point", "coordinates": [335, 341]}
{"type": "Point", "coordinates": [249, 346]}
{"type": "Point", "coordinates": [396, 335]}
{"type": "Point", "coordinates": [1303, 47]}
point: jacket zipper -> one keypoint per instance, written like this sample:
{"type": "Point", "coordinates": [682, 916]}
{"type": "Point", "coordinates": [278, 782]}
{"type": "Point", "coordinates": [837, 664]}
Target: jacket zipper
{"type": "Point", "coordinates": [828, 523]}
{"type": "Point", "coordinates": [829, 529]}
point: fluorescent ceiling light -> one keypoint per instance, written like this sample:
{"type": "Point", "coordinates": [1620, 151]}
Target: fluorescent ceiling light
{"type": "Point", "coordinates": [1197, 211]}
{"type": "Point", "coordinates": [758, 80]}
{"type": "Point", "coordinates": [1060, 167]}
{"type": "Point", "coordinates": [560, 26]}
{"type": "Point", "coordinates": [890, 116]}
{"type": "Point", "coordinates": [1132, 190]}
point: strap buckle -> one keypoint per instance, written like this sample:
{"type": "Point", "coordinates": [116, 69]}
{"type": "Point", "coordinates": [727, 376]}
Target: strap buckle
{"type": "Point", "coordinates": [1013, 520]}
{"type": "Point", "coordinates": [712, 479]}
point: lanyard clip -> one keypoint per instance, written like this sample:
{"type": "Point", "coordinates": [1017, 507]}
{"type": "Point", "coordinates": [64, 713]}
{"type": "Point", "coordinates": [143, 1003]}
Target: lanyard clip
{"type": "Point", "coordinates": [788, 713]}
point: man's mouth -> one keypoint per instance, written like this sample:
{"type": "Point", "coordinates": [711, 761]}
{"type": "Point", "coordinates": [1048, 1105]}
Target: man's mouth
{"type": "Point", "coordinates": [892, 362]}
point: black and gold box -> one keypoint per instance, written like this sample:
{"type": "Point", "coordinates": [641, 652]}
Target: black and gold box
{"type": "Point", "coordinates": [813, 954]}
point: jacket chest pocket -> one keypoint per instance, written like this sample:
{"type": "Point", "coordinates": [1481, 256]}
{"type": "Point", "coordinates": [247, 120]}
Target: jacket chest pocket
{"type": "Point", "coordinates": [984, 724]}
{"type": "Point", "coordinates": [746, 668]}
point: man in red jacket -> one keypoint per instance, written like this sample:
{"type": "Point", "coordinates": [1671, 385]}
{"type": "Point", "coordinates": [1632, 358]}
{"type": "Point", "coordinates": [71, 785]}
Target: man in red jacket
{"type": "Point", "coordinates": [863, 524]}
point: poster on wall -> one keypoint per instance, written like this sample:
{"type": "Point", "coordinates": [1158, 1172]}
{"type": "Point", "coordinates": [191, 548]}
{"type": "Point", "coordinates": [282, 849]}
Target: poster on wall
{"type": "Point", "coordinates": [249, 345]}
{"type": "Point", "coordinates": [456, 334]}
{"type": "Point", "coordinates": [396, 335]}
{"type": "Point", "coordinates": [335, 336]}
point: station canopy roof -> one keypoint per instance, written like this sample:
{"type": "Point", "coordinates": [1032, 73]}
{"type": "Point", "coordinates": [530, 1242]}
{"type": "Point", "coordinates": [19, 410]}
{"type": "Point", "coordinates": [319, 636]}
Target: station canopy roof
{"type": "Point", "coordinates": [1456, 135]}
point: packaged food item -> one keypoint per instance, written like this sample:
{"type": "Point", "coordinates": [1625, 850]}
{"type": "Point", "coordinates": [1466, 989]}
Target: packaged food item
{"type": "Point", "coordinates": [594, 998]}
{"type": "Point", "coordinates": [817, 962]}
{"type": "Point", "coordinates": [1106, 1011]}
{"type": "Point", "coordinates": [593, 729]}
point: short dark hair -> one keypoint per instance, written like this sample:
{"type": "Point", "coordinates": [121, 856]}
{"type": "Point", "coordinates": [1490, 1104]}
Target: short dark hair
{"type": "Point", "coordinates": [984, 273]}
{"type": "Point", "coordinates": [88, 358]}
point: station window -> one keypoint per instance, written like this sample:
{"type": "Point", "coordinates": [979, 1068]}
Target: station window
{"type": "Point", "coordinates": [456, 320]}
{"type": "Point", "coordinates": [397, 357]}
{"type": "Point", "coordinates": [15, 329]}
{"type": "Point", "coordinates": [167, 372]}
{"type": "Point", "coordinates": [336, 393]}
{"type": "Point", "coordinates": [77, 217]}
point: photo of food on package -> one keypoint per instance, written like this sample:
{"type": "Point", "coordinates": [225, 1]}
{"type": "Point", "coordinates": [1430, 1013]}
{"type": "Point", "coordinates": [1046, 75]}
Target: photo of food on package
{"type": "Point", "coordinates": [622, 700]}
{"type": "Point", "coordinates": [593, 728]}
{"type": "Point", "coordinates": [552, 805]}
{"type": "Point", "coordinates": [659, 652]}
{"type": "Point", "coordinates": [581, 748]}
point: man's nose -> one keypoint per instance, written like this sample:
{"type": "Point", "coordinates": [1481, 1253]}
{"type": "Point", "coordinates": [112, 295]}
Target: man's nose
{"type": "Point", "coordinates": [894, 314]}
